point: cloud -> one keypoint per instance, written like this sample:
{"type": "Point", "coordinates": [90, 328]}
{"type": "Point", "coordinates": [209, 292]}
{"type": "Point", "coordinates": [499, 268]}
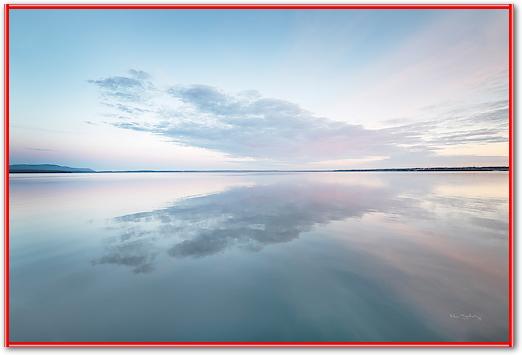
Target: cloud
{"type": "Point", "coordinates": [246, 124]}
{"type": "Point", "coordinates": [40, 149]}
{"type": "Point", "coordinates": [133, 87]}
{"type": "Point", "coordinates": [481, 123]}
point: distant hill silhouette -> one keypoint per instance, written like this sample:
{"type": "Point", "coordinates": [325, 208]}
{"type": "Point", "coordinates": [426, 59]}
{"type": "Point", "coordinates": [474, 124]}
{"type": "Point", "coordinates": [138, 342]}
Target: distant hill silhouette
{"type": "Point", "coordinates": [46, 168]}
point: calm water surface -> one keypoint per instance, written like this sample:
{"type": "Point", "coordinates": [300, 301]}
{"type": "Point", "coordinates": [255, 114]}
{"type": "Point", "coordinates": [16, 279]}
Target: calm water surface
{"type": "Point", "coordinates": [259, 257]}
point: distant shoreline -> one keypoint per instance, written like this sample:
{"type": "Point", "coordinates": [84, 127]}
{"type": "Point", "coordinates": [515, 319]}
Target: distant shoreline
{"type": "Point", "coordinates": [57, 170]}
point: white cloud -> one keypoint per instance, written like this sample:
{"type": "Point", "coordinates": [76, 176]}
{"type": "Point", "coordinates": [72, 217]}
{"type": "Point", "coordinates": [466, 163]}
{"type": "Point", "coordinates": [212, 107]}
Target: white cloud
{"type": "Point", "coordinates": [248, 125]}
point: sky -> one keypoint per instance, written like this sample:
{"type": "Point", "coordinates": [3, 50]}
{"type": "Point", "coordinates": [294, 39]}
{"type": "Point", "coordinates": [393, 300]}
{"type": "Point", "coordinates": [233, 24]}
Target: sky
{"type": "Point", "coordinates": [258, 89]}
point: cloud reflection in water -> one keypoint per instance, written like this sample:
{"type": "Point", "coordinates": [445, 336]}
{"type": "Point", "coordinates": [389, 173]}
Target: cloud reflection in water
{"type": "Point", "coordinates": [249, 218]}
{"type": "Point", "coordinates": [264, 257]}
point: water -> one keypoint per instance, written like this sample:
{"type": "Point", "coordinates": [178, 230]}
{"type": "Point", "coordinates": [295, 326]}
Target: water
{"type": "Point", "coordinates": [259, 257]}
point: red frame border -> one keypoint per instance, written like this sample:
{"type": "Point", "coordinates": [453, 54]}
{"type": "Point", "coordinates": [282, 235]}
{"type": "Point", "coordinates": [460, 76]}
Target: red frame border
{"type": "Point", "coordinates": [8, 7]}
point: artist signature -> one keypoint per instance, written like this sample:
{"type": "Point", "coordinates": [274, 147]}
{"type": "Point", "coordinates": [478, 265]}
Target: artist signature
{"type": "Point", "coordinates": [469, 316]}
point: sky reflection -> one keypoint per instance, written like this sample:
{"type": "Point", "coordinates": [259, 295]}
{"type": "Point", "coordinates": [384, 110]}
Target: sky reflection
{"type": "Point", "coordinates": [260, 257]}
{"type": "Point", "coordinates": [248, 218]}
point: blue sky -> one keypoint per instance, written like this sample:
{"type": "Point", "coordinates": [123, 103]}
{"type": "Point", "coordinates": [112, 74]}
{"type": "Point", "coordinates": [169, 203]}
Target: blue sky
{"type": "Point", "coordinates": [238, 89]}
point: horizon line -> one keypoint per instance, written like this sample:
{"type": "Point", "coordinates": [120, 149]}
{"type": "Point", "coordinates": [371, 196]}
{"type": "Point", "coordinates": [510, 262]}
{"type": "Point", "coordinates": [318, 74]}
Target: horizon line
{"type": "Point", "coordinates": [31, 168]}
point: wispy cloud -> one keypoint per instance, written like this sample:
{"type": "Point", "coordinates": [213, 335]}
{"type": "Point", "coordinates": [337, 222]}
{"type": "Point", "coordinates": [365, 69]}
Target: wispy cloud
{"type": "Point", "coordinates": [246, 124]}
{"type": "Point", "coordinates": [40, 149]}
{"type": "Point", "coordinates": [130, 88]}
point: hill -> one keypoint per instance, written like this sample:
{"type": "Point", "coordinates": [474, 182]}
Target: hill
{"type": "Point", "coordinates": [46, 168]}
